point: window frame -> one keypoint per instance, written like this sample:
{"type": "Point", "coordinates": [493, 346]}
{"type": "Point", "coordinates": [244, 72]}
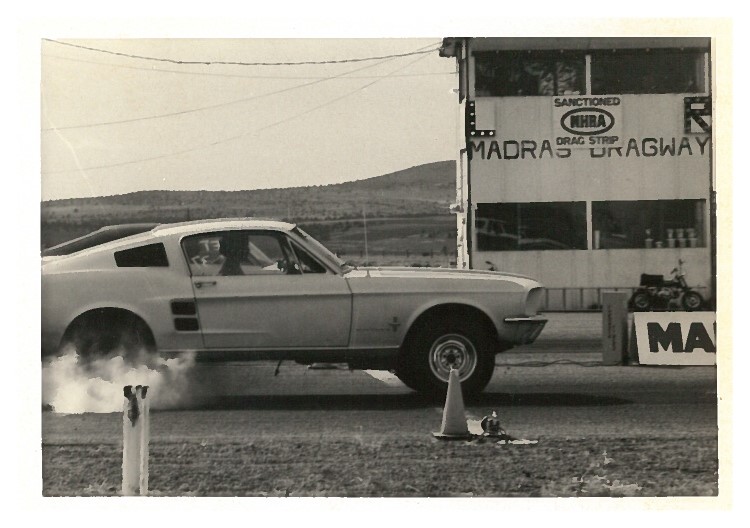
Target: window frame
{"type": "Point", "coordinates": [546, 56]}
{"type": "Point", "coordinates": [697, 53]}
{"type": "Point", "coordinates": [703, 86]}
{"type": "Point", "coordinates": [577, 210]}
{"type": "Point", "coordinates": [660, 214]}
{"type": "Point", "coordinates": [285, 245]}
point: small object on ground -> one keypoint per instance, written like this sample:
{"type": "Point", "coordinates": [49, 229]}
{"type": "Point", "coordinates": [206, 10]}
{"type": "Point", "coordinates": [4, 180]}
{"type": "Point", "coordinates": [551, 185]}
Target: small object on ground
{"type": "Point", "coordinates": [491, 425]}
{"type": "Point", "coordinates": [517, 441]}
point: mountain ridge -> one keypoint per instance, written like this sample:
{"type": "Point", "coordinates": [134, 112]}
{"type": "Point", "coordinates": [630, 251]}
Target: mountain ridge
{"type": "Point", "coordinates": [440, 173]}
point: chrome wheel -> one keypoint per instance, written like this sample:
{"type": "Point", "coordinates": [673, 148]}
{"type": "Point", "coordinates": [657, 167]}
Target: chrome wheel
{"type": "Point", "coordinates": [452, 351]}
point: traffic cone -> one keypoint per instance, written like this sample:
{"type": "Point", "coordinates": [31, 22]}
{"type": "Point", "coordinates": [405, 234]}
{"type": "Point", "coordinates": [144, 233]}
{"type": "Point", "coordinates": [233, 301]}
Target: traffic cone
{"type": "Point", "coordinates": [454, 425]}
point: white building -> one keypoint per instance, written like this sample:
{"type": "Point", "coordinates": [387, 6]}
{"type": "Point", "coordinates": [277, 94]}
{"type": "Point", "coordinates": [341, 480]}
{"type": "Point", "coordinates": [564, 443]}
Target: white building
{"type": "Point", "coordinates": [587, 161]}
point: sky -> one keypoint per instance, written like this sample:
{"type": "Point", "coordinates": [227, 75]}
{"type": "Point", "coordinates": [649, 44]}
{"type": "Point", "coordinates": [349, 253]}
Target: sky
{"type": "Point", "coordinates": [114, 121]}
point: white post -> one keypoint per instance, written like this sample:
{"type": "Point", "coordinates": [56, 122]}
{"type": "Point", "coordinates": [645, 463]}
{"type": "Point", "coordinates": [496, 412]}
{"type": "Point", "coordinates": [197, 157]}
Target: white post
{"type": "Point", "coordinates": [145, 436]}
{"type": "Point", "coordinates": [135, 437]}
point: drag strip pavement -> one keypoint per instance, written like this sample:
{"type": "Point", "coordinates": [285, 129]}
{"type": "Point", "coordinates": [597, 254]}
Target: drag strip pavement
{"type": "Point", "coordinates": [391, 380]}
{"type": "Point", "coordinates": [387, 377]}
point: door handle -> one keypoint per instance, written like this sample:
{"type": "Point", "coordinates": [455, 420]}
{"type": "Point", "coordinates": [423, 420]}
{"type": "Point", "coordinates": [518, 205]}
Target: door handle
{"type": "Point", "coordinates": [201, 284]}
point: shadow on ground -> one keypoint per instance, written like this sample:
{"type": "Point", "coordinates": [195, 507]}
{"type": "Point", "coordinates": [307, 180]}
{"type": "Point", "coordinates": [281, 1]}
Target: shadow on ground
{"type": "Point", "coordinates": [384, 402]}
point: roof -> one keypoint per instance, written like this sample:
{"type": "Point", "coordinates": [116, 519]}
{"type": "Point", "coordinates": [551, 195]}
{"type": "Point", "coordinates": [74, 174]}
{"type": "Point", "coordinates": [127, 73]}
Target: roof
{"type": "Point", "coordinates": [450, 46]}
{"type": "Point", "coordinates": [221, 224]}
{"type": "Point", "coordinates": [97, 238]}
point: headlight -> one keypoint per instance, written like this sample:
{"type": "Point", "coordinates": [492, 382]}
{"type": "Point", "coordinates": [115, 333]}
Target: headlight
{"type": "Point", "coordinates": [534, 301]}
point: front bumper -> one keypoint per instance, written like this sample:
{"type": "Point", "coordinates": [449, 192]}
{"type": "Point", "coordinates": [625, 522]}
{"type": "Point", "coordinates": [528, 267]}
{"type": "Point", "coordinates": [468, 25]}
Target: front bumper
{"type": "Point", "coordinates": [525, 330]}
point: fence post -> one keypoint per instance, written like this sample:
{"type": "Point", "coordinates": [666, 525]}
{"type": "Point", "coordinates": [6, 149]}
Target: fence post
{"type": "Point", "coordinates": [135, 438]}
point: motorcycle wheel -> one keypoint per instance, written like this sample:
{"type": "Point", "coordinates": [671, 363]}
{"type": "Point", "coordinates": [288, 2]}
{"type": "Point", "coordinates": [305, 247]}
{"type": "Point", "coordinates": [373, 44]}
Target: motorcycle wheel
{"type": "Point", "coordinates": [641, 302]}
{"type": "Point", "coordinates": [692, 301]}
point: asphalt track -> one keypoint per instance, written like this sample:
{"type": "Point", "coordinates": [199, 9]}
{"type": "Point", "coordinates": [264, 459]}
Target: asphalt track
{"type": "Point", "coordinates": [555, 388]}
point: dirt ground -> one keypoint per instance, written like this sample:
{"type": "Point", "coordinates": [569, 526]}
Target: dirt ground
{"type": "Point", "coordinates": [643, 467]}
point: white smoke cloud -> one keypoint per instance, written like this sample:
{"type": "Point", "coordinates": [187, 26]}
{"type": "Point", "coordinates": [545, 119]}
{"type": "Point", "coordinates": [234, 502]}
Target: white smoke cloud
{"type": "Point", "coordinates": [72, 386]}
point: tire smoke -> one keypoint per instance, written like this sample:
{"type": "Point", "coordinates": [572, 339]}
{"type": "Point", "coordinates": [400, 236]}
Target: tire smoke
{"type": "Point", "coordinates": [72, 384]}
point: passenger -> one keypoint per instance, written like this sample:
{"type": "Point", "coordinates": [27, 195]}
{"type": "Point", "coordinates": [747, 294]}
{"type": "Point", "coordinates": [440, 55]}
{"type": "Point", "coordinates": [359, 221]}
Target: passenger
{"type": "Point", "coordinates": [210, 252]}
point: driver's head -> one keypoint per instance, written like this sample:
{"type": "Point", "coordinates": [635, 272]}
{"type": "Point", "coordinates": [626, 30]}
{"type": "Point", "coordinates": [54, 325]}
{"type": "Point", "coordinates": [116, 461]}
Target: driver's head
{"type": "Point", "coordinates": [231, 247]}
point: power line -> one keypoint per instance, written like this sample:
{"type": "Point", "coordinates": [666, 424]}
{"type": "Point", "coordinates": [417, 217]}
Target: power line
{"type": "Point", "coordinates": [238, 63]}
{"type": "Point", "coordinates": [225, 140]}
{"type": "Point", "coordinates": [228, 103]}
{"type": "Point", "coordinates": [237, 76]}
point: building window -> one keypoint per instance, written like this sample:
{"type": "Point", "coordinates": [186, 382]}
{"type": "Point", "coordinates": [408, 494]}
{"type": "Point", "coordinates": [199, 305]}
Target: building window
{"type": "Point", "coordinates": [655, 71]}
{"type": "Point", "coordinates": [531, 226]}
{"type": "Point", "coordinates": [523, 73]}
{"type": "Point", "coordinates": [648, 224]}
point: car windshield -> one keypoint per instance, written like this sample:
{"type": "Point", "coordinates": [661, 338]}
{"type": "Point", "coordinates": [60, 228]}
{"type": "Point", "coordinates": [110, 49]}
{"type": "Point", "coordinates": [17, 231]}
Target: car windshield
{"type": "Point", "coordinates": [324, 250]}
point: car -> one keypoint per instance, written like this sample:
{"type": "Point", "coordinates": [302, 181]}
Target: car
{"type": "Point", "coordinates": [252, 289]}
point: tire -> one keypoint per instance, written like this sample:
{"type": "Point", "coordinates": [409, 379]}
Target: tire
{"type": "Point", "coordinates": [692, 301]}
{"type": "Point", "coordinates": [106, 334]}
{"type": "Point", "coordinates": [436, 346]}
{"type": "Point", "coordinates": [641, 302]}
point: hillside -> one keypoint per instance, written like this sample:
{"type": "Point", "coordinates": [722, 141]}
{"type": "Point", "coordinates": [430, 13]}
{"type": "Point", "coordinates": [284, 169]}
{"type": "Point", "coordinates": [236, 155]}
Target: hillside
{"type": "Point", "coordinates": [425, 189]}
{"type": "Point", "coordinates": [408, 203]}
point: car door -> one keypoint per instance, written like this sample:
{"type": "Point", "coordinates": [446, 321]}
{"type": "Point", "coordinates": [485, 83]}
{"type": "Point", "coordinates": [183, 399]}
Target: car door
{"type": "Point", "coordinates": [253, 292]}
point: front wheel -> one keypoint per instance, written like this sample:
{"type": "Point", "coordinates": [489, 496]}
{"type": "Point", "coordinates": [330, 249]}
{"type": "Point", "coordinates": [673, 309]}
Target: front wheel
{"type": "Point", "coordinates": [641, 302]}
{"type": "Point", "coordinates": [692, 301]}
{"type": "Point", "coordinates": [439, 346]}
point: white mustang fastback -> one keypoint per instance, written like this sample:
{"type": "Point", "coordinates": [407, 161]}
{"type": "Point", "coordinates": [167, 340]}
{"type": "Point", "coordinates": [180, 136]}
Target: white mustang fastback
{"type": "Point", "coordinates": [248, 289]}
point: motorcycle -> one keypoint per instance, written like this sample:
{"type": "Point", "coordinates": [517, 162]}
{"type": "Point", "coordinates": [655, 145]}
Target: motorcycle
{"type": "Point", "coordinates": [656, 293]}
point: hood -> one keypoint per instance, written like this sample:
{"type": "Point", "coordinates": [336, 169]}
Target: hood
{"type": "Point", "coordinates": [437, 273]}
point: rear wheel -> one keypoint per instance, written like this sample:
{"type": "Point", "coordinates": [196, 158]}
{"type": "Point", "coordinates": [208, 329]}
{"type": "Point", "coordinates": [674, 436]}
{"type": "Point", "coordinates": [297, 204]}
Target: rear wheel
{"type": "Point", "coordinates": [692, 301]}
{"type": "Point", "coordinates": [109, 333]}
{"type": "Point", "coordinates": [438, 346]}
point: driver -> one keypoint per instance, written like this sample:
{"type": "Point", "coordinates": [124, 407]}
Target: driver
{"type": "Point", "coordinates": [231, 247]}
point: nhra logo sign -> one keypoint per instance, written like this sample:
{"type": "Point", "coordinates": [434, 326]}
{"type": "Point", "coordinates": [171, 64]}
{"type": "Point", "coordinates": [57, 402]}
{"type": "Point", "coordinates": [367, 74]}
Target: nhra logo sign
{"type": "Point", "coordinates": [676, 338]}
{"type": "Point", "coordinates": [587, 121]}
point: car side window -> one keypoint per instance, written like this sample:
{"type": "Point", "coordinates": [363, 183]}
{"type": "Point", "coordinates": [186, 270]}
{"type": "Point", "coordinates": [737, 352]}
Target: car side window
{"type": "Point", "coordinates": [232, 253]}
{"type": "Point", "coordinates": [148, 256]}
{"type": "Point", "coordinates": [264, 255]}
{"type": "Point", "coordinates": [306, 262]}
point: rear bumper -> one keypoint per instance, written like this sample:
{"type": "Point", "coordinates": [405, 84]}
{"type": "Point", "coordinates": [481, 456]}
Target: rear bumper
{"type": "Point", "coordinates": [525, 330]}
